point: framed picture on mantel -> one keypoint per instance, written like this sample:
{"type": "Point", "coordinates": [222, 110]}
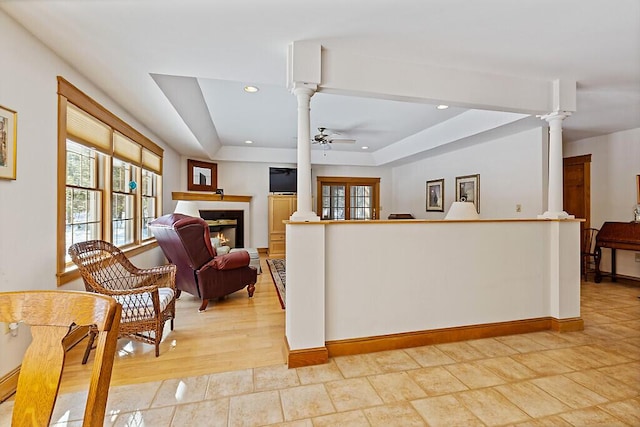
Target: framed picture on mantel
{"type": "Point", "coordinates": [201, 176]}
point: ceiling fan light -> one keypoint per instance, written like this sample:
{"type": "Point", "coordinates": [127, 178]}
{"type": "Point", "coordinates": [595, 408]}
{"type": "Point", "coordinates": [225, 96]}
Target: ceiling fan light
{"type": "Point", "coordinates": [251, 89]}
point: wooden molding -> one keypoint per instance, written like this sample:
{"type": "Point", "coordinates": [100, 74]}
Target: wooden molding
{"type": "Point", "coordinates": [567, 325]}
{"type": "Point", "coordinates": [9, 384]}
{"type": "Point", "coordinates": [319, 355]}
{"type": "Point", "coordinates": [208, 197]}
{"type": "Point", "coordinates": [439, 336]}
{"type": "Point", "coordinates": [306, 356]}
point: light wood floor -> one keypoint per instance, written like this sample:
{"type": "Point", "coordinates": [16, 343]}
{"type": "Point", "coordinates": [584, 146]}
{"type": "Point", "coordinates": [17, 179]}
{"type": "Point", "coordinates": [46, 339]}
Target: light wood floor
{"type": "Point", "coordinates": [233, 334]}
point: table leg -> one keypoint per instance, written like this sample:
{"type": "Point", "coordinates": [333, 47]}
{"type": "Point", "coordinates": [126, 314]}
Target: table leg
{"type": "Point", "coordinates": [613, 265]}
{"type": "Point", "coordinates": [597, 257]}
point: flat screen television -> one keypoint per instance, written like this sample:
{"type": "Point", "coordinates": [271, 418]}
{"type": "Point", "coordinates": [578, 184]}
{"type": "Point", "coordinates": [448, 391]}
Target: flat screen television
{"type": "Point", "coordinates": [283, 180]}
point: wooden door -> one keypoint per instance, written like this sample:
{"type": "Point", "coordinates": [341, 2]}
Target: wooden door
{"type": "Point", "coordinates": [577, 189]}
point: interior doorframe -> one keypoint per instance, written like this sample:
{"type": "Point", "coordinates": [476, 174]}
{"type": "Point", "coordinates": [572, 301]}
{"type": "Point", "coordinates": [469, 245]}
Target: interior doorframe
{"type": "Point", "coordinates": [348, 182]}
{"type": "Point", "coordinates": [584, 160]}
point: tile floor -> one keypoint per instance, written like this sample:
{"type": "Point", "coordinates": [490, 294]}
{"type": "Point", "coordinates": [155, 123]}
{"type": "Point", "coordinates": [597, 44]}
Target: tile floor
{"type": "Point", "coordinates": [591, 377]}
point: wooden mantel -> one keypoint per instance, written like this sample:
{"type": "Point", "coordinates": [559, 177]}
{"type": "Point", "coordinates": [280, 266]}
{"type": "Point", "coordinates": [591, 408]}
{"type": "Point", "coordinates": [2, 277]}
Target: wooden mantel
{"type": "Point", "coordinates": [208, 197]}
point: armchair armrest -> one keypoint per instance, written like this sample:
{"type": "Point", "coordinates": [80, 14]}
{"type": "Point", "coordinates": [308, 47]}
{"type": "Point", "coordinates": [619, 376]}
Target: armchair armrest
{"type": "Point", "coordinates": [229, 261]}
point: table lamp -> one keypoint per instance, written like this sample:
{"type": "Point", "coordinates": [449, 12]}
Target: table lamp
{"type": "Point", "coordinates": [186, 207]}
{"type": "Point", "coordinates": [462, 210]}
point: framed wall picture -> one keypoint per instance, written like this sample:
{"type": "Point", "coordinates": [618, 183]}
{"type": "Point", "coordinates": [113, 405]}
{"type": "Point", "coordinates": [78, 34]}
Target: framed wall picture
{"type": "Point", "coordinates": [8, 142]}
{"type": "Point", "coordinates": [638, 187]}
{"type": "Point", "coordinates": [202, 176]}
{"type": "Point", "coordinates": [435, 195]}
{"type": "Point", "coordinates": [468, 189]}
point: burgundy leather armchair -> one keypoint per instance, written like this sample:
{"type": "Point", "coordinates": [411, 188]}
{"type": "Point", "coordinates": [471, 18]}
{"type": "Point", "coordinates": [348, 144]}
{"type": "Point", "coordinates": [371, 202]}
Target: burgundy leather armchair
{"type": "Point", "coordinates": [201, 272]}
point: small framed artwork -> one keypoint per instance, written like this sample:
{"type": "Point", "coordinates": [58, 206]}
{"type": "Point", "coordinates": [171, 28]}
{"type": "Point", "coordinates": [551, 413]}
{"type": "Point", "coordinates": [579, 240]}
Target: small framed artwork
{"type": "Point", "coordinates": [202, 176]}
{"type": "Point", "coordinates": [468, 189]}
{"type": "Point", "coordinates": [435, 195]}
{"type": "Point", "coordinates": [638, 187]}
{"type": "Point", "coordinates": [8, 142]}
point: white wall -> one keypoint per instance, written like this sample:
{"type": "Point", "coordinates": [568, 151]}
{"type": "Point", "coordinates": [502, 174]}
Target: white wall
{"type": "Point", "coordinates": [252, 179]}
{"type": "Point", "coordinates": [28, 205]}
{"type": "Point", "coordinates": [615, 162]}
{"type": "Point", "coordinates": [511, 172]}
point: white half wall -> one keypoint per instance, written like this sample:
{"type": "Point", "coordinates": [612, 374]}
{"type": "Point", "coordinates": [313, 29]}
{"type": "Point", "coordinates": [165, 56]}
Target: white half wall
{"type": "Point", "coordinates": [406, 276]}
{"type": "Point", "coordinates": [615, 163]}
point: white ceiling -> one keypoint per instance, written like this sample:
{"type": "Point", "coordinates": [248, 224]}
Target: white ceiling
{"type": "Point", "coordinates": [179, 66]}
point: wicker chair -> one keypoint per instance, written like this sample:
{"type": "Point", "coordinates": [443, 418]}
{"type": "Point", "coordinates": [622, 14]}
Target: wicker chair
{"type": "Point", "coordinates": [147, 296]}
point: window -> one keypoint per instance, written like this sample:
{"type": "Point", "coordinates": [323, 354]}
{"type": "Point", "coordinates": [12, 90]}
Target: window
{"type": "Point", "coordinates": [122, 203]}
{"type": "Point", "coordinates": [109, 181]}
{"type": "Point", "coordinates": [348, 198]}
{"type": "Point", "coordinates": [82, 196]}
{"type": "Point", "coordinates": [149, 188]}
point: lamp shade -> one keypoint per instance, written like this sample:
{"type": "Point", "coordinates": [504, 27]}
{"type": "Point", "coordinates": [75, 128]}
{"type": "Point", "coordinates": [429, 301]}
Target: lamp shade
{"type": "Point", "coordinates": [186, 207]}
{"type": "Point", "coordinates": [462, 210]}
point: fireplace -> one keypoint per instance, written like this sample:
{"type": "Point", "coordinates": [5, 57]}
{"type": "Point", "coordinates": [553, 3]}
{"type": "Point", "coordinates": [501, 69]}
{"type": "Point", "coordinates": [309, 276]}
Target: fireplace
{"type": "Point", "coordinates": [226, 224]}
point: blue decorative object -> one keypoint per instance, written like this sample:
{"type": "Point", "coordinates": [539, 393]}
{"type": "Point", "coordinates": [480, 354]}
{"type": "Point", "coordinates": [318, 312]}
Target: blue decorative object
{"type": "Point", "coordinates": [132, 185]}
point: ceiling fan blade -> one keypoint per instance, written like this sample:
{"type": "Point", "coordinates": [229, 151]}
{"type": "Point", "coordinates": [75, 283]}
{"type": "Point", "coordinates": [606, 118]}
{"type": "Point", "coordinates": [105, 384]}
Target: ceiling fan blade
{"type": "Point", "coordinates": [343, 141]}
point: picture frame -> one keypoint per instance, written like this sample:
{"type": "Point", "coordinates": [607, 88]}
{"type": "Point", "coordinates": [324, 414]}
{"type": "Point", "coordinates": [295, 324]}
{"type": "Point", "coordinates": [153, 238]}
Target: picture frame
{"type": "Point", "coordinates": [435, 195]}
{"type": "Point", "coordinates": [638, 188]}
{"type": "Point", "coordinates": [8, 142]}
{"type": "Point", "coordinates": [201, 176]}
{"type": "Point", "coordinates": [468, 189]}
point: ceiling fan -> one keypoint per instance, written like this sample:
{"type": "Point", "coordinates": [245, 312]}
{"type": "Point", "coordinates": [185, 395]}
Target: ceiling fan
{"type": "Point", "coordinates": [329, 138]}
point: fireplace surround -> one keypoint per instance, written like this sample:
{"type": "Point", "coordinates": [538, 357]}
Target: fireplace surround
{"type": "Point", "coordinates": [228, 222]}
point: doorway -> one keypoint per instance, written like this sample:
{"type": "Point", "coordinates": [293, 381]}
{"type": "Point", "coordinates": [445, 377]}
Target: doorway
{"type": "Point", "coordinates": [577, 190]}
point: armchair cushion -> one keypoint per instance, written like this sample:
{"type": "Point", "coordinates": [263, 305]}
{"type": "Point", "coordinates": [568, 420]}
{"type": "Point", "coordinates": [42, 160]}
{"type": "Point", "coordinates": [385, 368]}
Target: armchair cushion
{"type": "Point", "coordinates": [140, 306]}
{"type": "Point", "coordinates": [231, 261]}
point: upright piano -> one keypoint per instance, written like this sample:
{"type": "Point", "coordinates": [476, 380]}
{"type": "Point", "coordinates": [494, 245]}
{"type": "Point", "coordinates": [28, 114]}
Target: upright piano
{"type": "Point", "coordinates": [616, 235]}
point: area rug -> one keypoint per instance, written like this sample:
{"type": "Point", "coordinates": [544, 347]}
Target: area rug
{"type": "Point", "coordinates": [276, 266]}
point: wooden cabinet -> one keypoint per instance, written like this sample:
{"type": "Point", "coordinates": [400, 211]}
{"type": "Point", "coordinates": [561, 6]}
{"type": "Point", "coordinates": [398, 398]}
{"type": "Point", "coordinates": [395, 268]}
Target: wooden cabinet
{"type": "Point", "coordinates": [281, 207]}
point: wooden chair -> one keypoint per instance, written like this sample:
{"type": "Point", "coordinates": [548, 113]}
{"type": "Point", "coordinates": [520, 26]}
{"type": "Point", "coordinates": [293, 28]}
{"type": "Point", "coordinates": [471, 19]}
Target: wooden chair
{"type": "Point", "coordinates": [588, 252]}
{"type": "Point", "coordinates": [51, 314]}
{"type": "Point", "coordinates": [148, 296]}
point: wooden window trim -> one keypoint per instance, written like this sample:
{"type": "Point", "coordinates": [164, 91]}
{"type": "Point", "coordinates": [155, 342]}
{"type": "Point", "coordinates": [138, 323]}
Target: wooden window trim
{"type": "Point", "coordinates": [69, 94]}
{"type": "Point", "coordinates": [89, 105]}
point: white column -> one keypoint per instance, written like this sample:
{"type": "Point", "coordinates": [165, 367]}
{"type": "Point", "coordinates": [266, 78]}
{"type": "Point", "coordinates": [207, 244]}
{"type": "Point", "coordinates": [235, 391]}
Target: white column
{"type": "Point", "coordinates": [555, 202]}
{"type": "Point", "coordinates": [303, 93]}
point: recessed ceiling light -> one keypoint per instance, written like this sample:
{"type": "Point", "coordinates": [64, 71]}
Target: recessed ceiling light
{"type": "Point", "coordinates": [442, 107]}
{"type": "Point", "coordinates": [364, 147]}
{"type": "Point", "coordinates": [251, 89]}
{"type": "Point", "coordinates": [248, 142]}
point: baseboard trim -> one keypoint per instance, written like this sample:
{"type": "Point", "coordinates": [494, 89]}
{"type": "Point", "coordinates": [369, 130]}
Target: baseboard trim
{"type": "Point", "coordinates": [315, 356]}
{"type": "Point", "coordinates": [9, 382]}
{"type": "Point", "coordinates": [567, 325]}
{"type": "Point", "coordinates": [306, 356]}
